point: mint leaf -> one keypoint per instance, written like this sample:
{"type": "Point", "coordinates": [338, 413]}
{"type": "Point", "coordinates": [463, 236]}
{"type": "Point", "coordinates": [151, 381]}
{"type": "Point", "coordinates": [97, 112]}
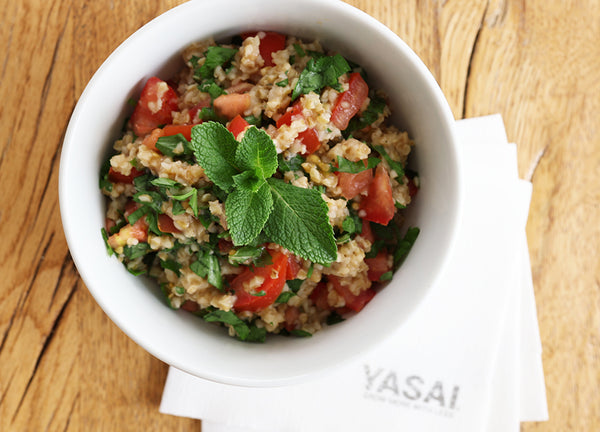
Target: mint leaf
{"type": "Point", "coordinates": [319, 73]}
{"type": "Point", "coordinates": [257, 153]}
{"type": "Point", "coordinates": [248, 180]}
{"type": "Point", "coordinates": [247, 212]}
{"type": "Point", "coordinates": [299, 222]}
{"type": "Point", "coordinates": [211, 88]}
{"type": "Point", "coordinates": [163, 182]}
{"type": "Point", "coordinates": [245, 253]}
{"type": "Point", "coordinates": [214, 147]}
{"type": "Point", "coordinates": [174, 266]}
{"type": "Point", "coordinates": [344, 165]}
{"type": "Point", "coordinates": [396, 166]}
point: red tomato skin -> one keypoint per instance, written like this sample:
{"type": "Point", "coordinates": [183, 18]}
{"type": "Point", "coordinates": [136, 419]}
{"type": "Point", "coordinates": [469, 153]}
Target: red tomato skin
{"type": "Point", "coordinates": [190, 306]}
{"type": "Point", "coordinates": [287, 117]}
{"type": "Point", "coordinates": [166, 224]}
{"type": "Point", "coordinates": [310, 139]}
{"type": "Point", "coordinates": [349, 102]}
{"type": "Point", "coordinates": [237, 125]}
{"type": "Point", "coordinates": [293, 268]}
{"type": "Point", "coordinates": [378, 265]}
{"type": "Point", "coordinates": [185, 130]}
{"type": "Point", "coordinates": [378, 205]}
{"type": "Point", "coordinates": [291, 317]}
{"type": "Point", "coordinates": [116, 177]}
{"type": "Point", "coordinates": [272, 287]}
{"type": "Point", "coordinates": [367, 232]}
{"type": "Point", "coordinates": [319, 296]}
{"type": "Point", "coordinates": [353, 184]}
{"type": "Point", "coordinates": [144, 119]}
{"type": "Point", "coordinates": [270, 43]}
{"type": "Point", "coordinates": [353, 302]}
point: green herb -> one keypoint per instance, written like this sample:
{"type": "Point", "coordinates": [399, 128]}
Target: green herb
{"type": "Point", "coordinates": [245, 253]}
{"type": "Point", "coordinates": [131, 102]}
{"type": "Point", "coordinates": [310, 270]}
{"type": "Point", "coordinates": [334, 318]}
{"type": "Point", "coordinates": [164, 287]}
{"type": "Point", "coordinates": [136, 251]}
{"type": "Point", "coordinates": [173, 145]}
{"type": "Point", "coordinates": [405, 245]}
{"type": "Point", "coordinates": [292, 59]}
{"type": "Point", "coordinates": [291, 216]}
{"type": "Point", "coordinates": [282, 83]}
{"type": "Point", "coordinates": [214, 56]}
{"type": "Point", "coordinates": [260, 293]}
{"type": "Point", "coordinates": [243, 331]}
{"type": "Point", "coordinates": [294, 285]}
{"type": "Point", "coordinates": [396, 166]}
{"type": "Point", "coordinates": [292, 164]}
{"type": "Point", "coordinates": [212, 88]}
{"type": "Point", "coordinates": [184, 196]}
{"type": "Point", "coordinates": [150, 199]}
{"type": "Point", "coordinates": [299, 50]}
{"type": "Point", "coordinates": [109, 249]}
{"type": "Point", "coordinates": [193, 202]}
{"type": "Point", "coordinates": [209, 114]}
{"type": "Point", "coordinates": [207, 266]}
{"type": "Point", "coordinates": [353, 223]}
{"type": "Point", "coordinates": [319, 73]}
{"type": "Point", "coordinates": [163, 182]}
{"type": "Point", "coordinates": [253, 121]}
{"type": "Point", "coordinates": [386, 276]}
{"type": "Point", "coordinates": [344, 238]}
{"type": "Point", "coordinates": [104, 182]}
{"type": "Point", "coordinates": [344, 165]}
{"type": "Point", "coordinates": [177, 208]}
{"type": "Point", "coordinates": [179, 290]}
{"type": "Point", "coordinates": [285, 296]}
{"type": "Point", "coordinates": [174, 266]}
{"type": "Point", "coordinates": [320, 188]}
{"type": "Point", "coordinates": [135, 271]}
{"type": "Point", "coordinates": [300, 333]}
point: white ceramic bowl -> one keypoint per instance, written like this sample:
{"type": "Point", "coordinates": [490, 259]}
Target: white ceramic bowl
{"type": "Point", "coordinates": [181, 339]}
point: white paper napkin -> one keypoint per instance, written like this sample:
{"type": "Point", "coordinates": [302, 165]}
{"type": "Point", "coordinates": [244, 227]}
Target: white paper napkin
{"type": "Point", "coordinates": [457, 364]}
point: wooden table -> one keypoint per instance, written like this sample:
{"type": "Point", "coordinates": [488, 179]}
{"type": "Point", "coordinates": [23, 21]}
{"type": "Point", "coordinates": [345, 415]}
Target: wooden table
{"type": "Point", "coordinates": [65, 366]}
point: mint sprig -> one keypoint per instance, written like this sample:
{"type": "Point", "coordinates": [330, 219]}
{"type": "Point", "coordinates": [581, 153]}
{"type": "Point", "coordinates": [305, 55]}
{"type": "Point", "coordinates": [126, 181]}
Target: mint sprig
{"type": "Point", "coordinates": [258, 204]}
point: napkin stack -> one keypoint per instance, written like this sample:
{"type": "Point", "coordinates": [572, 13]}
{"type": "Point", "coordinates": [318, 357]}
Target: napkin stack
{"type": "Point", "coordinates": [469, 359]}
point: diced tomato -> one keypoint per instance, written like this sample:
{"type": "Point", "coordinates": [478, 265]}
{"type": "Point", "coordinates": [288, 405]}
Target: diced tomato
{"type": "Point", "coordinates": [185, 130]}
{"type": "Point", "coordinates": [130, 207]}
{"type": "Point", "coordinates": [109, 224]}
{"type": "Point", "coordinates": [354, 302]}
{"type": "Point", "coordinates": [291, 317]}
{"type": "Point", "coordinates": [151, 139]}
{"type": "Point", "coordinates": [412, 187]}
{"type": "Point", "coordinates": [116, 177]}
{"type": "Point", "coordinates": [288, 116]}
{"type": "Point", "coordinates": [378, 265]}
{"type": "Point", "coordinates": [319, 296]}
{"type": "Point", "coordinates": [293, 268]}
{"type": "Point", "coordinates": [237, 125]}
{"type": "Point", "coordinates": [379, 203]}
{"type": "Point", "coordinates": [190, 306]}
{"type": "Point", "coordinates": [231, 105]}
{"type": "Point", "coordinates": [166, 224]}
{"type": "Point", "coordinates": [194, 111]}
{"type": "Point", "coordinates": [349, 102]}
{"type": "Point", "coordinates": [139, 230]}
{"type": "Point", "coordinates": [274, 278]}
{"type": "Point", "coordinates": [353, 184]}
{"type": "Point", "coordinates": [308, 137]}
{"type": "Point", "coordinates": [224, 246]}
{"type": "Point", "coordinates": [367, 232]}
{"type": "Point", "coordinates": [270, 42]}
{"type": "Point", "coordinates": [155, 107]}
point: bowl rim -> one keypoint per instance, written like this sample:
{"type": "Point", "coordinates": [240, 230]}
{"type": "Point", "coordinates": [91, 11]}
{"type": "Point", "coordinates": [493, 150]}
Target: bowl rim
{"type": "Point", "coordinates": [65, 199]}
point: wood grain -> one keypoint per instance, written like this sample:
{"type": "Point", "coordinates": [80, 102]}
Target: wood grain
{"type": "Point", "coordinates": [65, 366]}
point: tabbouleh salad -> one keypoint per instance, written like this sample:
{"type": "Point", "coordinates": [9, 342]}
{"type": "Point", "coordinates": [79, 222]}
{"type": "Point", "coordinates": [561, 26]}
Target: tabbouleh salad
{"type": "Point", "coordinates": [262, 187]}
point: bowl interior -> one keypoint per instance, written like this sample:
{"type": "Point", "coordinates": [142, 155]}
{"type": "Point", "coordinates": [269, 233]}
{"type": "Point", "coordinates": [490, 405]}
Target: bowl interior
{"type": "Point", "coordinates": [135, 304]}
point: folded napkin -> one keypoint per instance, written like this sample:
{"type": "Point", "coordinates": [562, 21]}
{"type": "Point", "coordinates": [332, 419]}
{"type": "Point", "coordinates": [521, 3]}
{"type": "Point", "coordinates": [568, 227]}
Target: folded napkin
{"type": "Point", "coordinates": [469, 359]}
